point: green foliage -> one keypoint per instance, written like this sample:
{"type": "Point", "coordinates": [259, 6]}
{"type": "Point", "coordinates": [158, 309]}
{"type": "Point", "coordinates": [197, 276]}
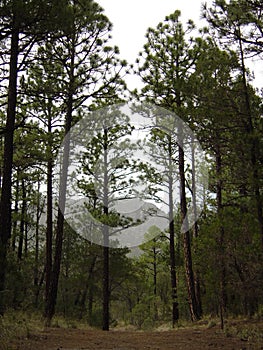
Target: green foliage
{"type": "Point", "coordinates": [65, 51]}
{"type": "Point", "coordinates": [141, 315]}
{"type": "Point", "coordinates": [167, 62]}
{"type": "Point", "coordinates": [237, 20]}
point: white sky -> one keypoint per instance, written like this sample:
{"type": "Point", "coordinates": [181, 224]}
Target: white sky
{"type": "Point", "coordinates": [131, 19]}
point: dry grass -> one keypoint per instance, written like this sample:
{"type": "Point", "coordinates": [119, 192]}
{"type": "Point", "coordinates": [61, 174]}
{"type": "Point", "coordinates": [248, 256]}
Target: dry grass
{"type": "Point", "coordinates": [27, 332]}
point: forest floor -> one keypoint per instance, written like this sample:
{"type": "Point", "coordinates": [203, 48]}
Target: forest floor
{"type": "Point", "coordinates": [239, 335]}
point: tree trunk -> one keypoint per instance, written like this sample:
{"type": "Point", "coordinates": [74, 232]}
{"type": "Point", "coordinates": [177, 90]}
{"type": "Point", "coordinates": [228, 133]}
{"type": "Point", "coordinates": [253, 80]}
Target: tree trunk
{"type": "Point", "coordinates": [90, 304]}
{"type": "Point", "coordinates": [195, 231]}
{"type": "Point", "coordinates": [22, 222]}
{"type": "Point", "coordinates": [49, 228]}
{"type": "Point", "coordinates": [186, 238]}
{"type": "Point", "coordinates": [26, 235]}
{"type": "Point", "coordinates": [106, 292]}
{"type": "Point", "coordinates": [5, 204]}
{"type": "Point", "coordinates": [106, 313]}
{"type": "Point", "coordinates": [175, 310]}
{"type": "Point", "coordinates": [222, 288]}
{"type": "Point", "coordinates": [38, 287]}
{"type": "Point", "coordinates": [53, 289]}
{"type": "Point", "coordinates": [155, 309]}
{"type": "Point", "coordinates": [36, 266]}
{"type": "Point", "coordinates": [88, 287]}
{"type": "Point", "coordinates": [14, 233]}
{"type": "Point", "coordinates": [254, 144]}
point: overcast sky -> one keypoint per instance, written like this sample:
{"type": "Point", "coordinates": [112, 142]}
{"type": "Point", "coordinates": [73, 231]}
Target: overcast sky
{"type": "Point", "coordinates": [131, 19]}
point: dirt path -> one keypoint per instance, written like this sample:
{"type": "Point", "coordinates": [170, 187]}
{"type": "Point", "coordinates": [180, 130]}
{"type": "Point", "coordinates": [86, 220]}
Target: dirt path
{"type": "Point", "coordinates": [181, 339]}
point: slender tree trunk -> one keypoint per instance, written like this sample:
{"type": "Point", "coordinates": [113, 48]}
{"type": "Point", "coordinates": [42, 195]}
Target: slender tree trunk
{"type": "Point", "coordinates": [21, 241]}
{"type": "Point", "coordinates": [5, 204]}
{"type": "Point", "coordinates": [66, 267]}
{"type": "Point", "coordinates": [106, 272]}
{"type": "Point", "coordinates": [88, 287]}
{"type": "Point", "coordinates": [90, 304]}
{"type": "Point", "coordinates": [26, 234]}
{"type": "Point", "coordinates": [175, 309]}
{"type": "Point", "coordinates": [36, 267]}
{"type": "Point", "coordinates": [14, 233]}
{"type": "Point", "coordinates": [106, 312]}
{"type": "Point", "coordinates": [22, 222]}
{"type": "Point", "coordinates": [254, 144]}
{"type": "Point", "coordinates": [155, 282]}
{"type": "Point", "coordinates": [53, 289]}
{"type": "Point", "coordinates": [222, 290]}
{"type": "Point", "coordinates": [49, 228]}
{"type": "Point", "coordinates": [195, 231]}
{"type": "Point", "coordinates": [39, 286]}
{"type": "Point", "coordinates": [186, 238]}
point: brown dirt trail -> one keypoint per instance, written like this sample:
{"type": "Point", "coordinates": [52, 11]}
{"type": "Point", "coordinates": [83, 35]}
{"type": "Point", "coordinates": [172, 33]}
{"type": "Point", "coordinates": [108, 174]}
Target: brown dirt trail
{"type": "Point", "coordinates": [180, 339]}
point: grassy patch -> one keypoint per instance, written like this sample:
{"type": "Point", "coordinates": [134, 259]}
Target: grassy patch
{"type": "Point", "coordinates": [246, 331]}
{"type": "Point", "coordinates": [17, 325]}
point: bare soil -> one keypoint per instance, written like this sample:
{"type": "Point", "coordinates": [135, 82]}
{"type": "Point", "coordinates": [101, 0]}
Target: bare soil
{"type": "Point", "coordinates": [197, 338]}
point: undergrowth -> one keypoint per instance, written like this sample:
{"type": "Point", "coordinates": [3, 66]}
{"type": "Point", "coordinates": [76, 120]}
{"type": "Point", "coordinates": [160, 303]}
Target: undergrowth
{"type": "Point", "coordinates": [18, 325]}
{"type": "Point", "coordinates": [246, 332]}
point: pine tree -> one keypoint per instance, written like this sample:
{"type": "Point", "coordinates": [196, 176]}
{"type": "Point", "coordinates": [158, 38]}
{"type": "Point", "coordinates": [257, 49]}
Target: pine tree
{"type": "Point", "coordinates": [91, 70]}
{"type": "Point", "coordinates": [167, 67]}
{"type": "Point", "coordinates": [238, 24]}
{"type": "Point", "coordinates": [105, 180]}
{"type": "Point", "coordinates": [23, 26]}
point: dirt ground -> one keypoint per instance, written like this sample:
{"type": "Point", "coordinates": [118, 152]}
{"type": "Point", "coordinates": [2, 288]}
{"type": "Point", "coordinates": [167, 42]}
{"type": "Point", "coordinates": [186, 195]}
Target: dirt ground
{"type": "Point", "coordinates": [196, 338]}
